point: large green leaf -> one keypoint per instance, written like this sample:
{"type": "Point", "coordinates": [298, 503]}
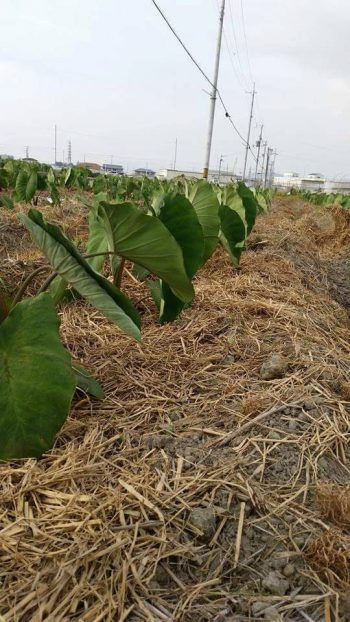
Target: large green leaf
{"type": "Point", "coordinates": [31, 187]}
{"type": "Point", "coordinates": [232, 233]}
{"type": "Point", "coordinates": [206, 204]}
{"type": "Point", "coordinates": [21, 185]}
{"type": "Point", "coordinates": [250, 205]}
{"type": "Point", "coordinates": [4, 178]}
{"type": "Point", "coordinates": [75, 270]}
{"type": "Point", "coordinates": [6, 201]}
{"type": "Point", "coordinates": [97, 241]}
{"type": "Point", "coordinates": [231, 198]}
{"type": "Point", "coordinates": [180, 218]}
{"type": "Point", "coordinates": [36, 379]}
{"type": "Point", "coordinates": [146, 241]}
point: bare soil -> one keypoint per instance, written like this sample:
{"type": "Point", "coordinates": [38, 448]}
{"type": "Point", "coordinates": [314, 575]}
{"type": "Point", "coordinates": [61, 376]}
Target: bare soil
{"type": "Point", "coordinates": [199, 490]}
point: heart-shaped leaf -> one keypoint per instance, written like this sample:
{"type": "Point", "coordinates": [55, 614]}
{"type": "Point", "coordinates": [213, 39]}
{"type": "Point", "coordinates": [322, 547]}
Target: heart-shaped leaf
{"type": "Point", "coordinates": [75, 270]}
{"type": "Point", "coordinates": [146, 241]}
{"type": "Point", "coordinates": [36, 379]}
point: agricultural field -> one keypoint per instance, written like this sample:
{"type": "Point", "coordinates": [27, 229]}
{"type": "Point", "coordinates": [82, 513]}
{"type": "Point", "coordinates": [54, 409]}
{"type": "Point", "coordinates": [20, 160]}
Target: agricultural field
{"type": "Point", "coordinates": [175, 401]}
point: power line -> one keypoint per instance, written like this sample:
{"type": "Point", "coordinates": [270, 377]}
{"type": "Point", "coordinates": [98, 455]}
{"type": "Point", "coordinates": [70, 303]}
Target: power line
{"type": "Point", "coordinates": [236, 44]}
{"type": "Point", "coordinates": [181, 43]}
{"type": "Point", "coordinates": [231, 53]}
{"type": "Point", "coordinates": [246, 42]}
{"type": "Point", "coordinates": [227, 114]}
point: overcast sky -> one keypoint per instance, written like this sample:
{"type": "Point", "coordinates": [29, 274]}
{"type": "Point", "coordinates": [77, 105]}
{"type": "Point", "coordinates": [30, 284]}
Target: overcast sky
{"type": "Point", "coordinates": [116, 82]}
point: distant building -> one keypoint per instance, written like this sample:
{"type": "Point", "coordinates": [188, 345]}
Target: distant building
{"type": "Point", "coordinates": [341, 187]}
{"type": "Point", "coordinates": [30, 160]}
{"type": "Point", "coordinates": [4, 156]}
{"type": "Point", "coordinates": [313, 182]}
{"type": "Point", "coordinates": [222, 177]}
{"type": "Point", "coordinates": [113, 169]}
{"type": "Point", "coordinates": [92, 166]}
{"type": "Point", "coordinates": [144, 172]}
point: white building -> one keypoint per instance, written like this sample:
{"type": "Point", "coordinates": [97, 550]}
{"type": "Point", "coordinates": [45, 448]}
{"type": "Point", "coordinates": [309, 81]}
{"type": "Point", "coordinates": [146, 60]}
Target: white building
{"type": "Point", "coordinates": [342, 187]}
{"type": "Point", "coordinates": [313, 182]}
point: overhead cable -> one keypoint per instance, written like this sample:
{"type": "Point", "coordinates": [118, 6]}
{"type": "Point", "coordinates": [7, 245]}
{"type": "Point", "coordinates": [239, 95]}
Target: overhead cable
{"type": "Point", "coordinates": [227, 114]}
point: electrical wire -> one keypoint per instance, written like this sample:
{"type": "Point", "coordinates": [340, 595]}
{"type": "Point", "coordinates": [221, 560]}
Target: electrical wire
{"type": "Point", "coordinates": [231, 56]}
{"type": "Point", "coordinates": [231, 53]}
{"type": "Point", "coordinates": [246, 42]}
{"type": "Point", "coordinates": [247, 86]}
{"type": "Point", "coordinates": [227, 114]}
{"type": "Point", "coordinates": [181, 43]}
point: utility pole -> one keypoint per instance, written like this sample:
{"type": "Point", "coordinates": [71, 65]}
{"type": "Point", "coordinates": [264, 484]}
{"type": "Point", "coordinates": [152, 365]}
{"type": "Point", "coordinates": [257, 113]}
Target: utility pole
{"type": "Point", "coordinates": [69, 152]}
{"type": "Point", "coordinates": [175, 155]}
{"type": "Point", "coordinates": [220, 162]}
{"type": "Point", "coordinates": [258, 144]}
{"type": "Point", "coordinates": [234, 167]}
{"type": "Point", "coordinates": [269, 153]}
{"type": "Point", "coordinates": [213, 95]}
{"type": "Point", "coordinates": [55, 144]}
{"type": "Point", "coordinates": [272, 169]}
{"type": "Point", "coordinates": [27, 151]}
{"type": "Point", "coordinates": [253, 93]}
{"type": "Point", "coordinates": [263, 161]}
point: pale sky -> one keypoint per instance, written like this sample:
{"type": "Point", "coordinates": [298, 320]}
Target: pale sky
{"type": "Point", "coordinates": [117, 83]}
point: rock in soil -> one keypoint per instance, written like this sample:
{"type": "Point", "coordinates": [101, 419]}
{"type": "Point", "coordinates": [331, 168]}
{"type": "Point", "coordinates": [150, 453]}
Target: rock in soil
{"type": "Point", "coordinates": [275, 584]}
{"type": "Point", "coordinates": [258, 607]}
{"type": "Point", "coordinates": [289, 570]}
{"type": "Point", "coordinates": [204, 520]}
{"type": "Point", "coordinates": [272, 614]}
{"type": "Point", "coordinates": [275, 367]}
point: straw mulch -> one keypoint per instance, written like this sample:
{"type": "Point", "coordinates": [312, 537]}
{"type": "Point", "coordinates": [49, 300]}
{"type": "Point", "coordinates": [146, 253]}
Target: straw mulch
{"type": "Point", "coordinates": [197, 491]}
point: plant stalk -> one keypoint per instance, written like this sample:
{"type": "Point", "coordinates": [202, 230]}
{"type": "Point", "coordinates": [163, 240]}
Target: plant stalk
{"type": "Point", "coordinates": [53, 275]}
{"type": "Point", "coordinates": [119, 276]}
{"type": "Point", "coordinates": [20, 292]}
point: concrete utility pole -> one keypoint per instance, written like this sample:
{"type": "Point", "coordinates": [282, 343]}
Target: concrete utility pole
{"type": "Point", "coordinates": [55, 144]}
{"type": "Point", "coordinates": [220, 162]}
{"type": "Point", "coordinates": [263, 162]}
{"type": "Point", "coordinates": [269, 154]}
{"type": "Point", "coordinates": [213, 95]}
{"type": "Point", "coordinates": [258, 144]}
{"type": "Point", "coordinates": [272, 169]}
{"type": "Point", "coordinates": [175, 155]}
{"type": "Point", "coordinates": [253, 93]}
{"type": "Point", "coordinates": [69, 152]}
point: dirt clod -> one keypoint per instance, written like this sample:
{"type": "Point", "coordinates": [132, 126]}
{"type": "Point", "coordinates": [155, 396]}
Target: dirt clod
{"type": "Point", "coordinates": [275, 367]}
{"type": "Point", "coordinates": [275, 584]}
{"type": "Point", "coordinates": [289, 570]}
{"type": "Point", "coordinates": [204, 519]}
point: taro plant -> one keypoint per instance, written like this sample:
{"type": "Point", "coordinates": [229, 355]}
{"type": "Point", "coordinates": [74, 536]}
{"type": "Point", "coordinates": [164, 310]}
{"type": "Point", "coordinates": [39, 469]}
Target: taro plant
{"type": "Point", "coordinates": [25, 181]}
{"type": "Point", "coordinates": [165, 231]}
{"type": "Point", "coordinates": [37, 376]}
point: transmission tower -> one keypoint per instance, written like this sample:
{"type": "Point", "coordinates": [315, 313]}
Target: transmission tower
{"type": "Point", "coordinates": [27, 151]}
{"type": "Point", "coordinates": [69, 152]}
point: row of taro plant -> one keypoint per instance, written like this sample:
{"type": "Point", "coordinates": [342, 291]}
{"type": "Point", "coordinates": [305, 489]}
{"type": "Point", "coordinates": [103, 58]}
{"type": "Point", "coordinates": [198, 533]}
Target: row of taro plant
{"type": "Point", "coordinates": [168, 234]}
{"type": "Point", "coordinates": [324, 199]}
{"type": "Point", "coordinates": [22, 181]}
